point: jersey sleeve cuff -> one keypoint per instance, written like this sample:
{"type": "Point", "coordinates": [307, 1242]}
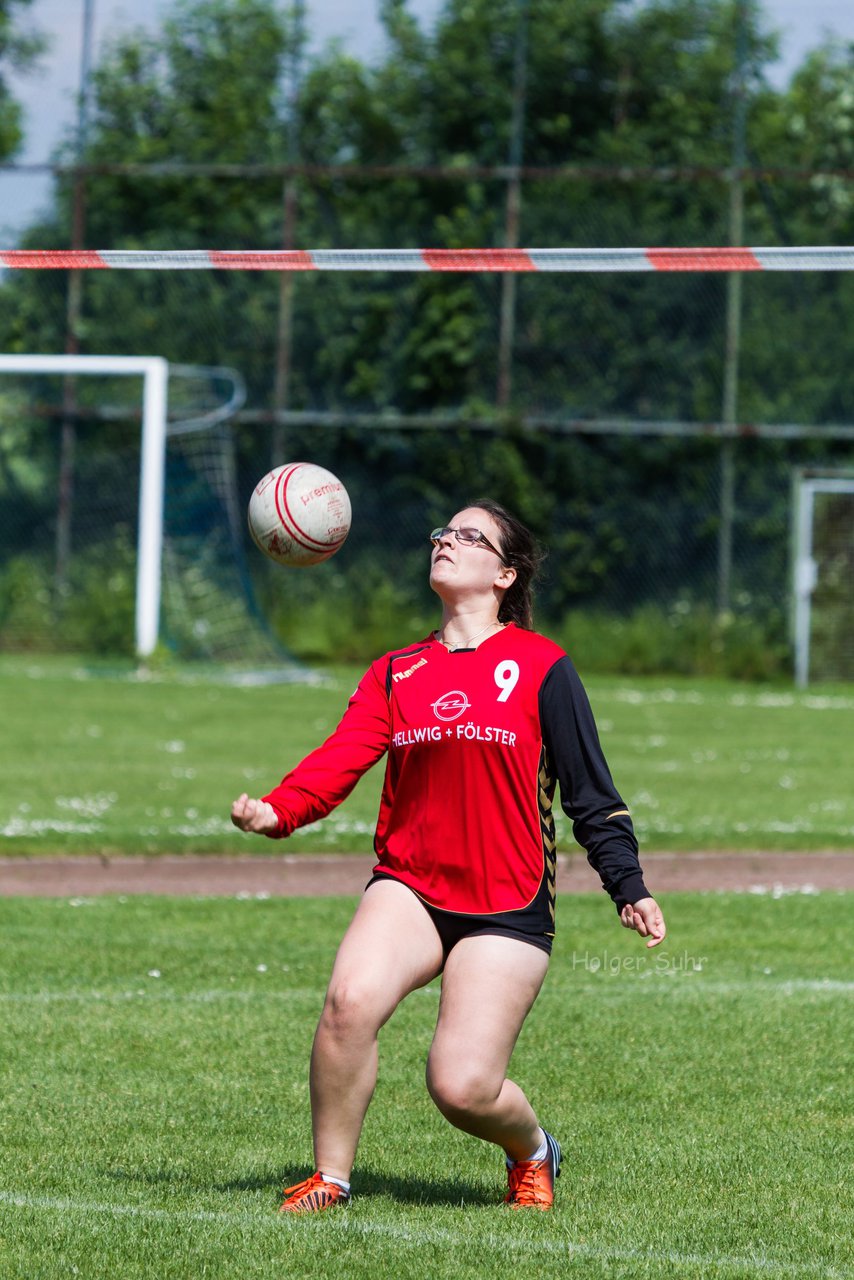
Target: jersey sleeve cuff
{"type": "Point", "coordinates": [629, 890]}
{"type": "Point", "coordinates": [281, 829]}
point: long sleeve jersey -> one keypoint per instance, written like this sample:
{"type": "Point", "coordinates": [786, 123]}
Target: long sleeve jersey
{"type": "Point", "coordinates": [476, 740]}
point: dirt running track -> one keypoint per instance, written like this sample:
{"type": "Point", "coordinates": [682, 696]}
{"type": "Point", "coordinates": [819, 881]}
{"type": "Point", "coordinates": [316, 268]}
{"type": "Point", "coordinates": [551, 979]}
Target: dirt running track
{"type": "Point", "coordinates": [307, 875]}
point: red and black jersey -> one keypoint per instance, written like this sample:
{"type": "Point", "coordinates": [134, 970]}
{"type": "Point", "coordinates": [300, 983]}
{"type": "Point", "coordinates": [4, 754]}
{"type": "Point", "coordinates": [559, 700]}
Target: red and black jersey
{"type": "Point", "coordinates": [476, 740]}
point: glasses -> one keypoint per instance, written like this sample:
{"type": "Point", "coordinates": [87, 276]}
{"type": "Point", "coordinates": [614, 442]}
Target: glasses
{"type": "Point", "coordinates": [468, 537]}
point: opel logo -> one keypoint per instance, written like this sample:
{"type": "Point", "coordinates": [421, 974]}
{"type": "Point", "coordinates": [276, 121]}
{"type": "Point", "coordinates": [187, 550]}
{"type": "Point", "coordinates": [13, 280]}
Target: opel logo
{"type": "Point", "coordinates": [451, 705]}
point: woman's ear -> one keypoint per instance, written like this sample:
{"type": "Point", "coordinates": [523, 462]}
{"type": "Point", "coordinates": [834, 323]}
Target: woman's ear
{"type": "Point", "coordinates": [506, 577]}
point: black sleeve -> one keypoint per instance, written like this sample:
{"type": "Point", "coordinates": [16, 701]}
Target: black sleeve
{"type": "Point", "coordinates": [600, 820]}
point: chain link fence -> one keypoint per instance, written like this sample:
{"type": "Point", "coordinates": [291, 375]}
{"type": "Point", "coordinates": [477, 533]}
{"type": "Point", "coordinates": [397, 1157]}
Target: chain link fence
{"type": "Point", "coordinates": [631, 523]}
{"type": "Point", "coordinates": [590, 405]}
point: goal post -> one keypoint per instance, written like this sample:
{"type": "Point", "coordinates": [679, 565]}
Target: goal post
{"type": "Point", "coordinates": [822, 556]}
{"type": "Point", "coordinates": [154, 371]}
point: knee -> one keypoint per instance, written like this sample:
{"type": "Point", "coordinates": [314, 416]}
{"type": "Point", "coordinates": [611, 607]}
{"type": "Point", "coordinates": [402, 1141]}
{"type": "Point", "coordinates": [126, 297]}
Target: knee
{"type": "Point", "coordinates": [461, 1089]}
{"type": "Point", "coordinates": [351, 1008]}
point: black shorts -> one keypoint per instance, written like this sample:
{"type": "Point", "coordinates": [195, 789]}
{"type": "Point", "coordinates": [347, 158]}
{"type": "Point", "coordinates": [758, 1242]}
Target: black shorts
{"type": "Point", "coordinates": [453, 926]}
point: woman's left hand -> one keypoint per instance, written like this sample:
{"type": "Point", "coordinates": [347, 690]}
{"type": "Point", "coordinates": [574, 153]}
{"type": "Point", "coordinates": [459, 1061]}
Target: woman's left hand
{"type": "Point", "coordinates": [645, 916]}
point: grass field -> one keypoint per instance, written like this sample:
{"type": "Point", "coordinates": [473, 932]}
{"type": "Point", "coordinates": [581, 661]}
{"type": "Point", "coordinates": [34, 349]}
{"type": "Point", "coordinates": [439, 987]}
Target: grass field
{"type": "Point", "coordinates": [153, 1064]}
{"type": "Point", "coordinates": [103, 762]}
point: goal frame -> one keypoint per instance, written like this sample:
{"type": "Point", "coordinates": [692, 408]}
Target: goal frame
{"type": "Point", "coordinates": [806, 484]}
{"type": "Point", "coordinates": [154, 371]}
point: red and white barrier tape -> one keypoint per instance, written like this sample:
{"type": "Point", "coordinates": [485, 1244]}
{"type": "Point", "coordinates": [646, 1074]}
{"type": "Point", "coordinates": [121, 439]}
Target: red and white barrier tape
{"type": "Point", "coordinates": [827, 258]}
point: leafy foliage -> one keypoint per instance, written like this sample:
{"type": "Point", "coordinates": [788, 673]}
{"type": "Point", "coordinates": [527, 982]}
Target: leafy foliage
{"type": "Point", "coordinates": [18, 51]}
{"type": "Point", "coordinates": [611, 84]}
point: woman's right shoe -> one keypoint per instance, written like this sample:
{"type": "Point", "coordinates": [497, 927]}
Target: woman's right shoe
{"type": "Point", "coordinates": [313, 1195]}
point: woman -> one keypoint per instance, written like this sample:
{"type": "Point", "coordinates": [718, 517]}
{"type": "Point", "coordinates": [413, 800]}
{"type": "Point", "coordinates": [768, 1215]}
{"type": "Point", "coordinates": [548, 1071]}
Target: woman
{"type": "Point", "coordinates": [480, 720]}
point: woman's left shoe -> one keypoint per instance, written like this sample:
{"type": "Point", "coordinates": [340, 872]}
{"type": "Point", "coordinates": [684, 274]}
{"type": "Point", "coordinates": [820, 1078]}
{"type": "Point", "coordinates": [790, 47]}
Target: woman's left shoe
{"type": "Point", "coordinates": [532, 1182]}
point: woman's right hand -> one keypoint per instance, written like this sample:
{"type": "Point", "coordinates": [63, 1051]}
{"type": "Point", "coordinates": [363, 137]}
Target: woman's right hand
{"type": "Point", "coordinates": [254, 815]}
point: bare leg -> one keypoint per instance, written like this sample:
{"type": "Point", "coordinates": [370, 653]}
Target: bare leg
{"type": "Point", "coordinates": [390, 949]}
{"type": "Point", "coordinates": [489, 986]}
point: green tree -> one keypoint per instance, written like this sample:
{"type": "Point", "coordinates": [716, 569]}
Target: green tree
{"type": "Point", "coordinates": [610, 84]}
{"type": "Point", "coordinates": [20, 475]}
{"type": "Point", "coordinates": [606, 83]}
{"type": "Point", "coordinates": [19, 51]}
{"type": "Point", "coordinates": [793, 360]}
{"type": "Point", "coordinates": [205, 88]}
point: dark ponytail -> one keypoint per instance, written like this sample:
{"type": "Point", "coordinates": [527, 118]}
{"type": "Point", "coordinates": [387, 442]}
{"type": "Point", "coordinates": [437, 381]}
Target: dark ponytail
{"type": "Point", "coordinates": [519, 549]}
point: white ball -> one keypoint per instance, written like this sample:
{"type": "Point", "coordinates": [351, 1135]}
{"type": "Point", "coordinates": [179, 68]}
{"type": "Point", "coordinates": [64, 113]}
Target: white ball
{"type": "Point", "coordinates": [299, 514]}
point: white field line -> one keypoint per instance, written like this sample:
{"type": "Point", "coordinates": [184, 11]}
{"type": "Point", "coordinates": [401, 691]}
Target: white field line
{"type": "Point", "coordinates": [430, 1236]}
{"type": "Point", "coordinates": [654, 984]}
{"type": "Point", "coordinates": [604, 984]}
{"type": "Point", "coordinates": [571, 1248]}
{"type": "Point", "coordinates": [157, 996]}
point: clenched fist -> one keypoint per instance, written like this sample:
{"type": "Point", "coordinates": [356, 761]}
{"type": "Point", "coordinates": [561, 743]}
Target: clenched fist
{"type": "Point", "coordinates": [254, 815]}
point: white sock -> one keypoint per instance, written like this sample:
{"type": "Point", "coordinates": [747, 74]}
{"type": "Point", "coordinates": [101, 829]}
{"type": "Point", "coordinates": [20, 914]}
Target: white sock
{"type": "Point", "coordinates": [336, 1182]}
{"type": "Point", "coordinates": [540, 1154]}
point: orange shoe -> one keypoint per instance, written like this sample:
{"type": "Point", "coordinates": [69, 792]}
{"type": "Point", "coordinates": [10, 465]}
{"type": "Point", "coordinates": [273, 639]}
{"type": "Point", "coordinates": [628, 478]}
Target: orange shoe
{"type": "Point", "coordinates": [532, 1182]}
{"type": "Point", "coordinates": [313, 1195]}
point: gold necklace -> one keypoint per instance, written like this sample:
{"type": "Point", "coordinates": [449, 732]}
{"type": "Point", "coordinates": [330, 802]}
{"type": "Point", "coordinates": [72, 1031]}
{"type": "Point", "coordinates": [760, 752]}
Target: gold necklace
{"type": "Point", "coordinates": [466, 644]}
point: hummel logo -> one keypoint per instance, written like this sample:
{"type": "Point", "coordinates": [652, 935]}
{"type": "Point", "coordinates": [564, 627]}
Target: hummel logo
{"type": "Point", "coordinates": [404, 675]}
